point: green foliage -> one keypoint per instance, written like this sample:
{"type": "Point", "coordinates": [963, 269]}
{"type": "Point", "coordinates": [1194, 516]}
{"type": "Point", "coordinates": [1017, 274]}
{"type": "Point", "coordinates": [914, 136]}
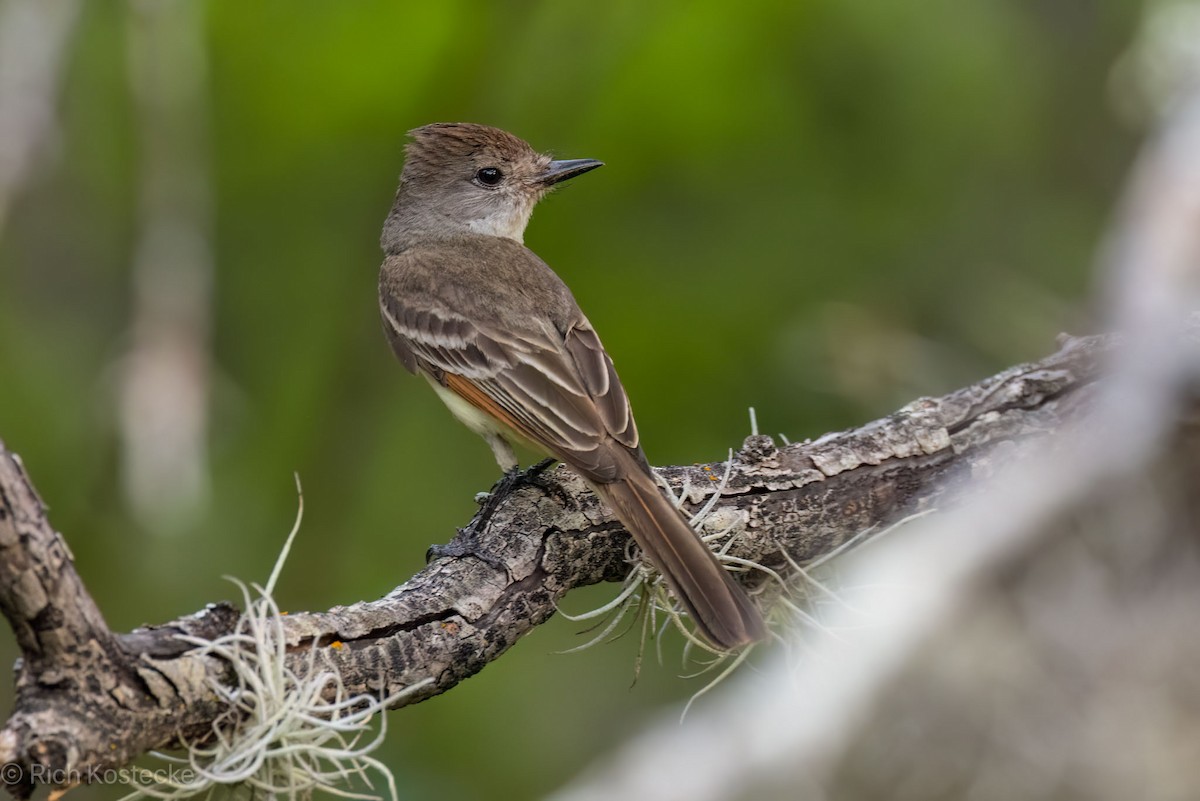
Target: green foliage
{"type": "Point", "coordinates": [822, 209]}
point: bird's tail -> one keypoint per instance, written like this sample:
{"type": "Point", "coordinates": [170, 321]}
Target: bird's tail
{"type": "Point", "coordinates": [723, 612]}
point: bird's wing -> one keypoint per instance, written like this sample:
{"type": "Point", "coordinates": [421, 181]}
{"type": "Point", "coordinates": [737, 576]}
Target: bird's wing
{"type": "Point", "coordinates": [558, 390]}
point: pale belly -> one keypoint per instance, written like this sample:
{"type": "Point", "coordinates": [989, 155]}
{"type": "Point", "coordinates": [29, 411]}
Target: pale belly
{"type": "Point", "coordinates": [497, 435]}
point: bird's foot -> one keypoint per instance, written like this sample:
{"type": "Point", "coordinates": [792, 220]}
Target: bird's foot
{"type": "Point", "coordinates": [514, 478]}
{"type": "Point", "coordinates": [467, 544]}
{"type": "Point", "coordinates": [534, 477]}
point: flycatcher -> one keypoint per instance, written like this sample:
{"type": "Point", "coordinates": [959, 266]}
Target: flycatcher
{"type": "Point", "coordinates": [502, 341]}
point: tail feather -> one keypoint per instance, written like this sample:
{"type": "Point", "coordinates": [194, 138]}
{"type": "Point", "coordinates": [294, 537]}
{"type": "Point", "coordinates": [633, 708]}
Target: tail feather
{"type": "Point", "coordinates": [722, 611]}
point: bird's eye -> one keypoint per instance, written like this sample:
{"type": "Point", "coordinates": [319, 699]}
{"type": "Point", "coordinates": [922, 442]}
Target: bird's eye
{"type": "Point", "coordinates": [489, 176]}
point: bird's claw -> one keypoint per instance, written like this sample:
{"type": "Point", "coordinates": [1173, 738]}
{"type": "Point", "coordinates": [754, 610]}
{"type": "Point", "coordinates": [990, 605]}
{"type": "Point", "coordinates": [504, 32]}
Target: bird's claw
{"type": "Point", "coordinates": [466, 544]}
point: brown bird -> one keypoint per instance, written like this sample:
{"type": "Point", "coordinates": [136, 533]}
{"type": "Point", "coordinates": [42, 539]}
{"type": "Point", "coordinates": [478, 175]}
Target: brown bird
{"type": "Point", "coordinates": [502, 341]}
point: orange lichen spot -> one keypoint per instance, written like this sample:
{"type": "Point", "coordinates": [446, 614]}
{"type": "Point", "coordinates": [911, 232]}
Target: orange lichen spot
{"type": "Point", "coordinates": [338, 644]}
{"type": "Point", "coordinates": [450, 626]}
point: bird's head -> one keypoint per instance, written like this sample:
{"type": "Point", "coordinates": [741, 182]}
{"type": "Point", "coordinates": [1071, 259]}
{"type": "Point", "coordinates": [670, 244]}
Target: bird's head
{"type": "Point", "coordinates": [465, 177]}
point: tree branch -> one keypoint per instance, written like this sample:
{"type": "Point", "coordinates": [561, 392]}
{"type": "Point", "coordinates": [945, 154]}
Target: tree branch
{"type": "Point", "coordinates": [88, 698]}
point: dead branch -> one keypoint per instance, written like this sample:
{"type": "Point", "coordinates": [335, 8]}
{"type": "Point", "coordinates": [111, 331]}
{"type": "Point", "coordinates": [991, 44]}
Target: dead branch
{"type": "Point", "coordinates": [88, 698]}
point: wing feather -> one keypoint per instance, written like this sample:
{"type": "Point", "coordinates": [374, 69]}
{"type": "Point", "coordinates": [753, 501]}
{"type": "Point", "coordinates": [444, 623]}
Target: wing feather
{"type": "Point", "coordinates": [603, 386]}
{"type": "Point", "coordinates": [556, 389]}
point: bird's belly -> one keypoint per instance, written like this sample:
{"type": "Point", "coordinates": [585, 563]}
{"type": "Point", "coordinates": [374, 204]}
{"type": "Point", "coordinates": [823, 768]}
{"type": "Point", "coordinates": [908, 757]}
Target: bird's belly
{"type": "Point", "coordinates": [478, 421]}
{"type": "Point", "coordinates": [474, 419]}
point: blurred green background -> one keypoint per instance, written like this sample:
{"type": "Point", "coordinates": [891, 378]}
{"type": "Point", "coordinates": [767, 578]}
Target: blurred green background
{"type": "Point", "coordinates": [821, 208]}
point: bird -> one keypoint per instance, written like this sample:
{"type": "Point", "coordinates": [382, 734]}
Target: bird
{"type": "Point", "coordinates": [504, 344]}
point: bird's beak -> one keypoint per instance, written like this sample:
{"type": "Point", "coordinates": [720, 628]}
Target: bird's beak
{"type": "Point", "coordinates": [559, 171]}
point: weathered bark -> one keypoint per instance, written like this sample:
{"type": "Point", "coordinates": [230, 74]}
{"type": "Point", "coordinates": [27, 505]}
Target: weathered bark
{"type": "Point", "coordinates": [89, 698]}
